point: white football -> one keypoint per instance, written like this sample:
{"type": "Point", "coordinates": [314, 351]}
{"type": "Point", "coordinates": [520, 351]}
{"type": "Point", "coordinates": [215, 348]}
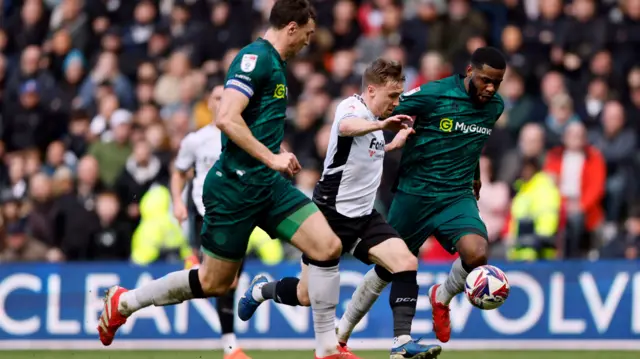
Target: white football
{"type": "Point", "coordinates": [487, 287]}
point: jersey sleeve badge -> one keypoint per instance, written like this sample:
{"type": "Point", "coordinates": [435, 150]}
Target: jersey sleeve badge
{"type": "Point", "coordinates": [248, 63]}
{"type": "Point", "coordinates": [411, 92]}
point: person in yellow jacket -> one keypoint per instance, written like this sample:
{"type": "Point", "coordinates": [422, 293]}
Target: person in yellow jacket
{"type": "Point", "coordinates": [535, 214]}
{"type": "Point", "coordinates": [158, 236]}
{"type": "Point", "coordinates": [269, 251]}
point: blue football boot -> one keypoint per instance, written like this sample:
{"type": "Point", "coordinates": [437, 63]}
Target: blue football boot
{"type": "Point", "coordinates": [414, 350]}
{"type": "Point", "coordinates": [247, 304]}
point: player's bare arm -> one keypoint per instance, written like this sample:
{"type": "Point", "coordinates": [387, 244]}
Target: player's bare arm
{"type": "Point", "coordinates": [354, 127]}
{"type": "Point", "coordinates": [178, 182]}
{"type": "Point", "coordinates": [229, 120]}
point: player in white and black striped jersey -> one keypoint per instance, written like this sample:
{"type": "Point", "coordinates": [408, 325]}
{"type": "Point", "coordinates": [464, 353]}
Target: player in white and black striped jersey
{"type": "Point", "coordinates": [199, 151]}
{"type": "Point", "coordinates": [346, 194]}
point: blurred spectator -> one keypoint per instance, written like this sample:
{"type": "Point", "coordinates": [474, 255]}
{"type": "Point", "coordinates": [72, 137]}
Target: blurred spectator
{"type": "Point", "coordinates": [61, 182]}
{"type": "Point", "coordinates": [432, 68]}
{"type": "Point", "coordinates": [452, 33]}
{"type": "Point", "coordinates": [112, 156]}
{"type": "Point", "coordinates": [551, 84]}
{"type": "Point", "coordinates": [627, 243]}
{"type": "Point", "coordinates": [618, 149]}
{"type": "Point", "coordinates": [633, 82]}
{"type": "Point", "coordinates": [167, 89]}
{"type": "Point", "coordinates": [27, 27]}
{"type": "Point", "coordinates": [17, 186]}
{"type": "Point", "coordinates": [19, 246]}
{"type": "Point", "coordinates": [517, 103]}
{"type": "Point", "coordinates": [184, 33]}
{"type": "Point", "coordinates": [30, 70]}
{"type": "Point", "coordinates": [106, 72]}
{"type": "Point", "coordinates": [580, 172]}
{"type": "Point", "coordinates": [70, 17]}
{"type": "Point", "coordinates": [159, 236]}
{"type": "Point", "coordinates": [561, 114]}
{"type": "Point", "coordinates": [55, 158]}
{"type": "Point", "coordinates": [530, 145]}
{"type": "Point", "coordinates": [75, 218]}
{"type": "Point", "coordinates": [583, 34]}
{"type": "Point", "coordinates": [494, 200]}
{"type": "Point", "coordinates": [28, 123]}
{"type": "Point", "coordinates": [137, 35]}
{"type": "Point", "coordinates": [535, 213]}
{"type": "Point", "coordinates": [590, 106]}
{"type": "Point", "coordinates": [141, 170]}
{"type": "Point", "coordinates": [41, 216]}
{"type": "Point", "coordinates": [417, 33]}
{"type": "Point", "coordinates": [388, 33]}
{"type": "Point", "coordinates": [112, 239]}
{"type": "Point", "coordinates": [76, 138]}
{"type": "Point", "coordinates": [520, 60]}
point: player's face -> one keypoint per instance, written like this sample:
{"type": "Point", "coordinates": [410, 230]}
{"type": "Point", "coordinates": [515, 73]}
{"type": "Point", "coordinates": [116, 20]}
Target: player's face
{"type": "Point", "coordinates": [300, 36]}
{"type": "Point", "coordinates": [385, 98]}
{"type": "Point", "coordinates": [484, 82]}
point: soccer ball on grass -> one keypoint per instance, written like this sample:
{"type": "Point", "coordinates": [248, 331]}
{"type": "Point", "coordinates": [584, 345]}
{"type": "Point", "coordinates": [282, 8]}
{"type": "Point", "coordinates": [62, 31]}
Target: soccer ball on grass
{"type": "Point", "coordinates": [487, 287]}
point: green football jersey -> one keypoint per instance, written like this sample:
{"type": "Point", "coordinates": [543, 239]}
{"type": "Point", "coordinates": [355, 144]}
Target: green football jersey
{"type": "Point", "coordinates": [441, 158]}
{"type": "Point", "coordinates": [258, 72]}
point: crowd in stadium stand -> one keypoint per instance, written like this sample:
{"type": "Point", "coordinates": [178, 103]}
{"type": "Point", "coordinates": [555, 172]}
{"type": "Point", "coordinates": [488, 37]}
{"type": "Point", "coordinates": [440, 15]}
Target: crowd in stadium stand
{"type": "Point", "coordinates": [96, 96]}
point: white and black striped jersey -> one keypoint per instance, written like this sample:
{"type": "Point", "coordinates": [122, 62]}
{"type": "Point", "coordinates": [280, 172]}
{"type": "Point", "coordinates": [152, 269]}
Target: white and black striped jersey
{"type": "Point", "coordinates": [200, 149]}
{"type": "Point", "coordinates": [353, 166]}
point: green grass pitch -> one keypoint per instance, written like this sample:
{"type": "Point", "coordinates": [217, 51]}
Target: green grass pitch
{"type": "Point", "coordinates": [110, 354]}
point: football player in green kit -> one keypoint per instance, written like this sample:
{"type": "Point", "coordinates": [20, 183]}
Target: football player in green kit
{"type": "Point", "coordinates": [439, 179]}
{"type": "Point", "coordinates": [245, 189]}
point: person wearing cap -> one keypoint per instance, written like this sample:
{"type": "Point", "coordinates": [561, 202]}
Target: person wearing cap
{"type": "Point", "coordinates": [112, 155]}
{"type": "Point", "coordinates": [20, 247]}
{"type": "Point", "coordinates": [29, 124]}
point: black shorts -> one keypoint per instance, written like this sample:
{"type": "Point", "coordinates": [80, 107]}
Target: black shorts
{"type": "Point", "coordinates": [194, 230]}
{"type": "Point", "coordinates": [194, 234]}
{"type": "Point", "coordinates": [358, 235]}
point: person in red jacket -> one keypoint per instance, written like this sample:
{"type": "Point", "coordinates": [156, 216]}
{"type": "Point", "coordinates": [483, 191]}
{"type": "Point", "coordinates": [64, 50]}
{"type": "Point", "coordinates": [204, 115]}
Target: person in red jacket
{"type": "Point", "coordinates": [580, 172]}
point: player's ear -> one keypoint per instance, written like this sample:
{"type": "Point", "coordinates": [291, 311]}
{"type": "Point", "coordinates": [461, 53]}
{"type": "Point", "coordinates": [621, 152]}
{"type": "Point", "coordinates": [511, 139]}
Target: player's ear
{"type": "Point", "coordinates": [292, 27]}
{"type": "Point", "coordinates": [371, 90]}
{"type": "Point", "coordinates": [469, 70]}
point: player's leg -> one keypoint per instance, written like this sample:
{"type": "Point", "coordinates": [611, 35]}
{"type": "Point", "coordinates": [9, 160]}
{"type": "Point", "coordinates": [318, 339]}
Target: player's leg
{"type": "Point", "coordinates": [381, 245]}
{"type": "Point", "coordinates": [290, 291]}
{"type": "Point", "coordinates": [293, 291]}
{"type": "Point", "coordinates": [411, 218]}
{"type": "Point", "coordinates": [224, 243]}
{"type": "Point", "coordinates": [226, 313]}
{"type": "Point", "coordinates": [295, 218]}
{"type": "Point", "coordinates": [460, 229]}
{"type": "Point", "coordinates": [212, 279]}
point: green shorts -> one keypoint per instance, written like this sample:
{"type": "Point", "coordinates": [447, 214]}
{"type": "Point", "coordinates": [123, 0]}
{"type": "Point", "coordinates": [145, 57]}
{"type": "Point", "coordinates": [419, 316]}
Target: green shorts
{"type": "Point", "coordinates": [416, 218]}
{"type": "Point", "coordinates": [233, 209]}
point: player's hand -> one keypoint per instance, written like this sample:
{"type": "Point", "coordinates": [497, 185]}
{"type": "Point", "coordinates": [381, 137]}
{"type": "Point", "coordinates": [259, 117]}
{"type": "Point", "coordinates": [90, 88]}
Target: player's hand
{"type": "Point", "coordinates": [397, 123]}
{"type": "Point", "coordinates": [285, 162]}
{"type": "Point", "coordinates": [477, 184]}
{"type": "Point", "coordinates": [401, 138]}
{"type": "Point", "coordinates": [180, 211]}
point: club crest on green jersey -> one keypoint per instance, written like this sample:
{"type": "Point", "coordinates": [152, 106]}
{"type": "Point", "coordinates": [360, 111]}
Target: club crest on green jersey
{"type": "Point", "coordinates": [248, 63]}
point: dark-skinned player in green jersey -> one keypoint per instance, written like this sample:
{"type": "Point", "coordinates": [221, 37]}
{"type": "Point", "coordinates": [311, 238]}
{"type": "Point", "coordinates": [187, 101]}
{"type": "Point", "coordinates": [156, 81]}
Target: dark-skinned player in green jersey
{"type": "Point", "coordinates": [245, 189]}
{"type": "Point", "coordinates": [439, 179]}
